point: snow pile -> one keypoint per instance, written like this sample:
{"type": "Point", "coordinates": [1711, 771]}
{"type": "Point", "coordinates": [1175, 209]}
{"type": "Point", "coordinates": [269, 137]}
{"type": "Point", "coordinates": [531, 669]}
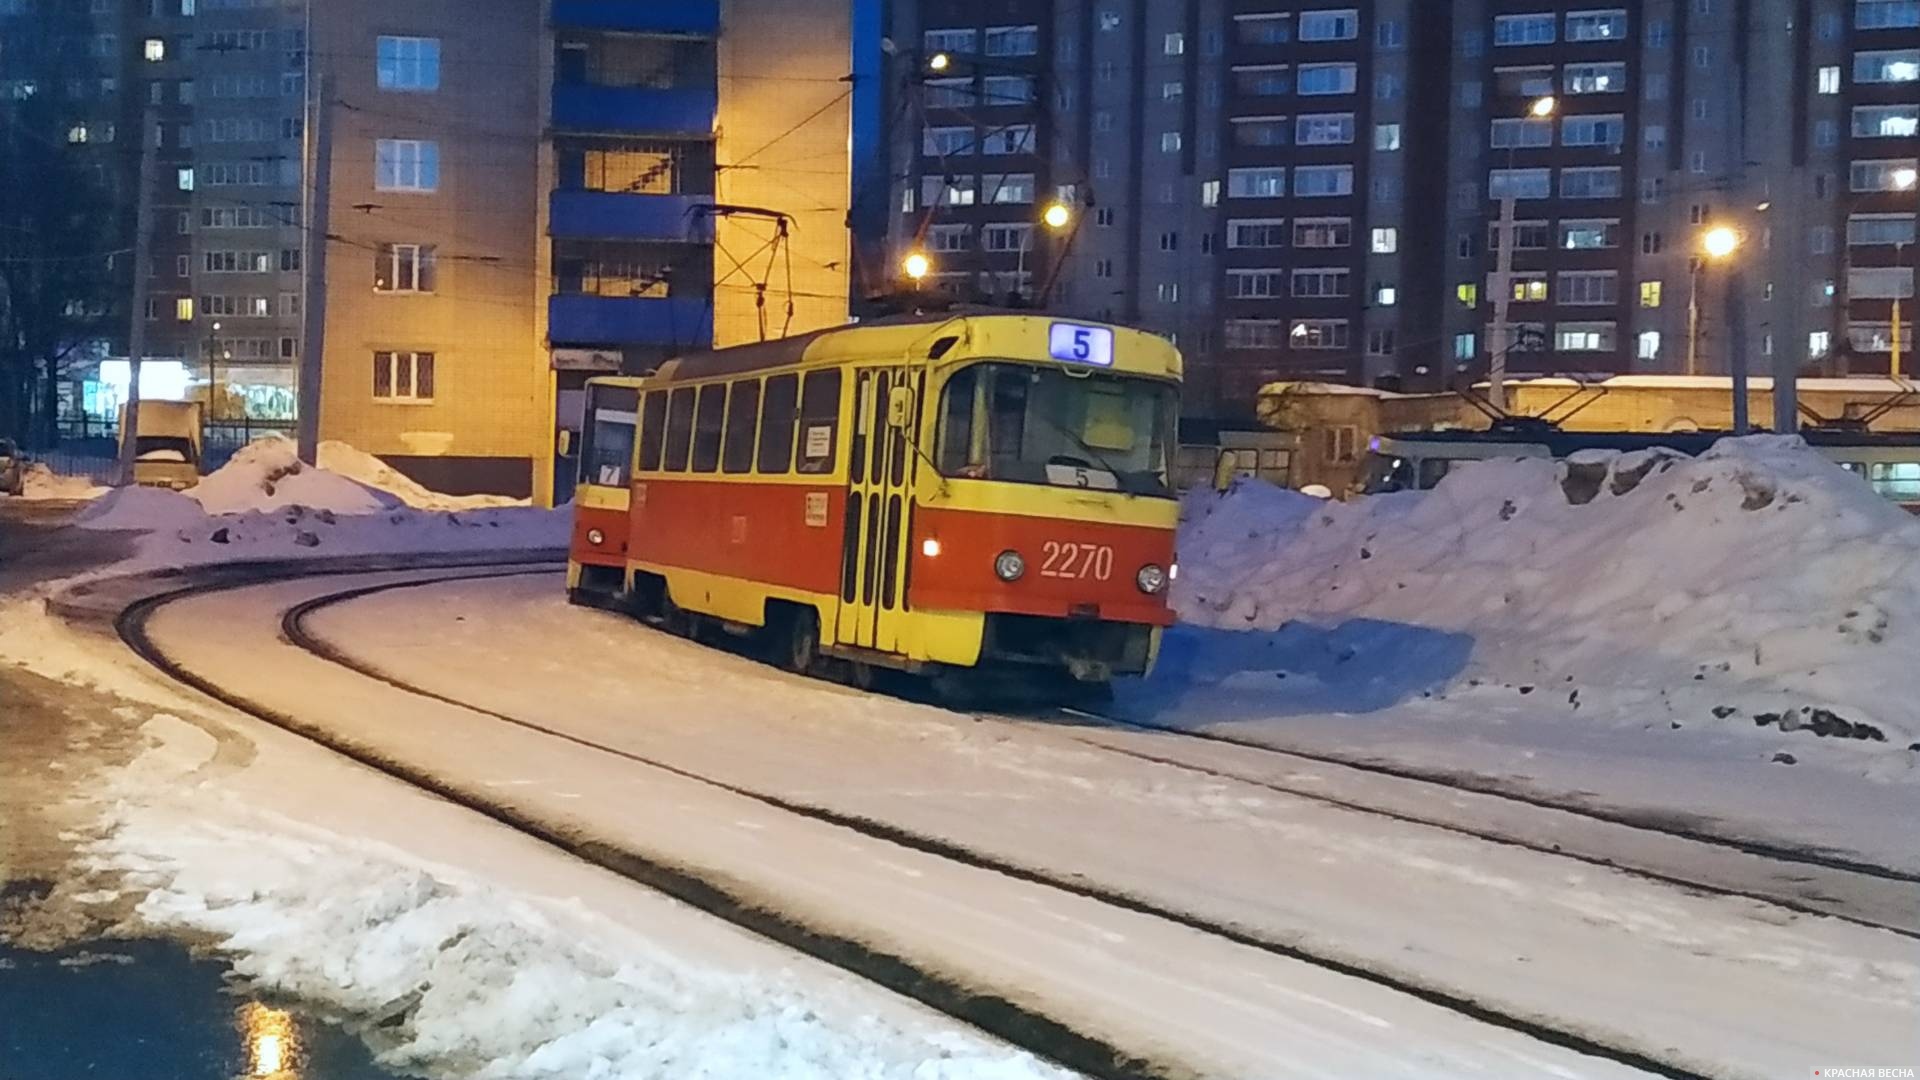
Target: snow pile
{"type": "Point", "coordinates": [40, 482]}
{"type": "Point", "coordinates": [465, 978]}
{"type": "Point", "coordinates": [358, 465]}
{"type": "Point", "coordinates": [265, 504]}
{"type": "Point", "coordinates": [267, 474]}
{"type": "Point", "coordinates": [1759, 575]}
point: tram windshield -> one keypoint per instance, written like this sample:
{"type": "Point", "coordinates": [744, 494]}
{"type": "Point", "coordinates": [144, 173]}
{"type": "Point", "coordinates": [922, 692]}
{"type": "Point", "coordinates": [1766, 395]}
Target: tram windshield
{"type": "Point", "coordinates": [1038, 425]}
{"type": "Point", "coordinates": [608, 435]}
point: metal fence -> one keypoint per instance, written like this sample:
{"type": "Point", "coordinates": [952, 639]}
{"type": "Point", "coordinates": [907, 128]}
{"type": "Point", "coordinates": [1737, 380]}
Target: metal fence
{"type": "Point", "coordinates": [88, 446]}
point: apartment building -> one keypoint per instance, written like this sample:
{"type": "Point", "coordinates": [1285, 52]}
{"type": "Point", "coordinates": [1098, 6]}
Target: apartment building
{"type": "Point", "coordinates": [1306, 190]}
{"type": "Point", "coordinates": [515, 196]}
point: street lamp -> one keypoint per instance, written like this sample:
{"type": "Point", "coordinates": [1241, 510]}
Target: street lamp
{"type": "Point", "coordinates": [1542, 108]}
{"type": "Point", "coordinates": [1057, 216]}
{"type": "Point", "coordinates": [939, 62]}
{"type": "Point", "coordinates": [1903, 180]}
{"type": "Point", "coordinates": [1716, 244]}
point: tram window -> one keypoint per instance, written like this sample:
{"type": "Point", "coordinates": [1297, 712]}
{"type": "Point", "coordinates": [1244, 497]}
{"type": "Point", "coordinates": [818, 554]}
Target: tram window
{"type": "Point", "coordinates": [706, 427]}
{"type": "Point", "coordinates": [653, 430]}
{"type": "Point", "coordinates": [679, 429]}
{"type": "Point", "coordinates": [819, 421]}
{"type": "Point", "coordinates": [776, 423]}
{"type": "Point", "coordinates": [743, 412]}
{"type": "Point", "coordinates": [1035, 425]}
{"type": "Point", "coordinates": [1899, 480]}
{"type": "Point", "coordinates": [607, 435]}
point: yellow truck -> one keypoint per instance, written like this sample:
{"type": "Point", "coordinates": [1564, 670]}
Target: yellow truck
{"type": "Point", "coordinates": [166, 449]}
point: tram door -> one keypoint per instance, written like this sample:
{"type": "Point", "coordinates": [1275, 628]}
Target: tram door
{"type": "Point", "coordinates": [873, 583]}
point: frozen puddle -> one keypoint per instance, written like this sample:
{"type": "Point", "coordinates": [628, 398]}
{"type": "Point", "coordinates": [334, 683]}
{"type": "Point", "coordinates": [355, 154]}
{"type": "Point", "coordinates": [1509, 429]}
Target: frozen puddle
{"type": "Point", "coordinates": [149, 1008]}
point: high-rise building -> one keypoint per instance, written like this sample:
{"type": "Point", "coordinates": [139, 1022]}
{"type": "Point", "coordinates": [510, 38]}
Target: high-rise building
{"type": "Point", "coordinates": [1302, 190]}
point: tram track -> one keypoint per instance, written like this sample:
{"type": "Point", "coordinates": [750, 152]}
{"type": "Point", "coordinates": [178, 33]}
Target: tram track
{"type": "Point", "coordinates": [1822, 905]}
{"type": "Point", "coordinates": [1779, 853]}
{"type": "Point", "coordinates": [997, 1015]}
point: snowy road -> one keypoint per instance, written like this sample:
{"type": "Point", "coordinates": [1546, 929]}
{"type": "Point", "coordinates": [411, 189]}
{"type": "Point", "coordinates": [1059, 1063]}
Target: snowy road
{"type": "Point", "coordinates": [1722, 986]}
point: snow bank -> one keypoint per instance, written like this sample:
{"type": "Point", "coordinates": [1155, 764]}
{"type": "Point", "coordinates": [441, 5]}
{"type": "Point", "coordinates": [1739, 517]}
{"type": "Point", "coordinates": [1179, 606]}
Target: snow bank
{"type": "Point", "coordinates": [1759, 573]}
{"type": "Point", "coordinates": [364, 468]}
{"type": "Point", "coordinates": [265, 505]}
{"type": "Point", "coordinates": [467, 978]}
{"type": "Point", "coordinates": [40, 482]}
{"type": "Point", "coordinates": [267, 474]}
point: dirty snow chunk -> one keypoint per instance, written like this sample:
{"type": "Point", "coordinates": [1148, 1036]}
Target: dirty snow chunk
{"type": "Point", "coordinates": [144, 509]}
{"type": "Point", "coordinates": [362, 467]}
{"type": "Point", "coordinates": [481, 981]}
{"type": "Point", "coordinates": [1759, 555]}
{"type": "Point", "coordinates": [40, 482]}
{"type": "Point", "coordinates": [267, 474]}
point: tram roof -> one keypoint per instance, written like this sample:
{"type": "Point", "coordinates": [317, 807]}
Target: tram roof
{"type": "Point", "coordinates": [899, 336]}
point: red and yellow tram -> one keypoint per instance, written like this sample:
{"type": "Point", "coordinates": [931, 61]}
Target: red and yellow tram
{"type": "Point", "coordinates": [967, 492]}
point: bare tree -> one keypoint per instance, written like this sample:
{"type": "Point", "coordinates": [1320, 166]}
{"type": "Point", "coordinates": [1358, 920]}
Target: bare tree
{"type": "Point", "coordinates": [61, 227]}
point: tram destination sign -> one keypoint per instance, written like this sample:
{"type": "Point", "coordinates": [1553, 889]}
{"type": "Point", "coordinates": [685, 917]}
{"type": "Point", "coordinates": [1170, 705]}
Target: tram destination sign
{"type": "Point", "coordinates": [1077, 344]}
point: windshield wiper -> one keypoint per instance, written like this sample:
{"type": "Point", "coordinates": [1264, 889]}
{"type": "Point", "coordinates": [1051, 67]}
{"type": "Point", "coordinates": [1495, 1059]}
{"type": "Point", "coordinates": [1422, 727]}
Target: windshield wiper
{"type": "Point", "coordinates": [1119, 477]}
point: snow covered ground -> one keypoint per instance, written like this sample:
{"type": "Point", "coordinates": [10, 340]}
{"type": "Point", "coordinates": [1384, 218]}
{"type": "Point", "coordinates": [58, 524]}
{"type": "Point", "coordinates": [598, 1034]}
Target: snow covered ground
{"type": "Point", "coordinates": [42, 483]}
{"type": "Point", "coordinates": [483, 953]}
{"type": "Point", "coordinates": [1728, 639]}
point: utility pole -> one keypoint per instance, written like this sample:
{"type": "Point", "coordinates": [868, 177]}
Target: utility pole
{"type": "Point", "coordinates": [1737, 353]}
{"type": "Point", "coordinates": [313, 334]}
{"type": "Point", "coordinates": [142, 258]}
{"type": "Point", "coordinates": [1498, 333]}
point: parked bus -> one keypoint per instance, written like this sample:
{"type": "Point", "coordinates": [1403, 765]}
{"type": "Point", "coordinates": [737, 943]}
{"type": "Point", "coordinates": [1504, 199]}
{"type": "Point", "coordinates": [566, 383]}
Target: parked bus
{"type": "Point", "coordinates": [1419, 460]}
{"type": "Point", "coordinates": [931, 495]}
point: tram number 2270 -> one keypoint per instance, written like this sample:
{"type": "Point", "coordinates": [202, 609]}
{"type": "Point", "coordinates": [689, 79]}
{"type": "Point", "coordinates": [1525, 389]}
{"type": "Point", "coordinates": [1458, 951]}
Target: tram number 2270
{"type": "Point", "coordinates": [1065, 559]}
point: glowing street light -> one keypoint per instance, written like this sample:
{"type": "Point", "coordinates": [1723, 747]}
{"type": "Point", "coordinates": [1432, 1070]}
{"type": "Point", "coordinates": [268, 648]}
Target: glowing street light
{"type": "Point", "coordinates": [915, 266]}
{"type": "Point", "coordinates": [1056, 216]}
{"type": "Point", "coordinates": [1543, 107]}
{"type": "Point", "coordinates": [1904, 179]}
{"type": "Point", "coordinates": [1720, 242]}
{"type": "Point", "coordinates": [939, 62]}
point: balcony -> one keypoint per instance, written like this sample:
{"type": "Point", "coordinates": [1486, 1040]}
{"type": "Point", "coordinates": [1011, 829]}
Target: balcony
{"type": "Point", "coordinates": [621, 320]}
{"type": "Point", "coordinates": [617, 215]}
{"type": "Point", "coordinates": [634, 110]}
{"type": "Point", "coordinates": [694, 17]}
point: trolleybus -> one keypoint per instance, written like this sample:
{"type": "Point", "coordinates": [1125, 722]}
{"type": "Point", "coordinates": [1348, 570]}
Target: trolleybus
{"type": "Point", "coordinates": [940, 495]}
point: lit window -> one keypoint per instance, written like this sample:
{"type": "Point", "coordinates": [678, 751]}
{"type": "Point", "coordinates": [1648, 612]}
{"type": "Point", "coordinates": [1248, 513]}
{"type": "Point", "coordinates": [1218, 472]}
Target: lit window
{"type": "Point", "coordinates": [1175, 44]}
{"type": "Point", "coordinates": [1386, 241]}
{"type": "Point", "coordinates": [1649, 346]}
{"type": "Point", "coordinates": [1385, 295]}
{"type": "Point", "coordinates": [1464, 346]}
{"type": "Point", "coordinates": [406, 165]}
{"type": "Point", "coordinates": [1468, 294]}
{"type": "Point", "coordinates": [155, 50]}
{"type": "Point", "coordinates": [1819, 342]}
{"type": "Point", "coordinates": [184, 178]}
{"type": "Point", "coordinates": [1169, 142]}
{"type": "Point", "coordinates": [409, 63]}
{"type": "Point", "coordinates": [1650, 294]}
{"type": "Point", "coordinates": [183, 309]}
{"type": "Point", "coordinates": [1386, 136]}
{"type": "Point", "coordinates": [1210, 193]}
{"type": "Point", "coordinates": [1829, 79]}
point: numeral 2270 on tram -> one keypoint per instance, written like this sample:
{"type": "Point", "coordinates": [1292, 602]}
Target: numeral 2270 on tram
{"type": "Point", "coordinates": [979, 493]}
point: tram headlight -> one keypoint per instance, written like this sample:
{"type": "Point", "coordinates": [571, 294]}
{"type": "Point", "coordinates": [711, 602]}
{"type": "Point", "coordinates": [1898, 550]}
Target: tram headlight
{"type": "Point", "coordinates": [1151, 579]}
{"type": "Point", "coordinates": [1009, 566]}
{"type": "Point", "coordinates": [596, 537]}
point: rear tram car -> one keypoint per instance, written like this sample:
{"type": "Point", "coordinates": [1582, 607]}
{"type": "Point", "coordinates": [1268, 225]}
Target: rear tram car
{"type": "Point", "coordinates": [964, 495]}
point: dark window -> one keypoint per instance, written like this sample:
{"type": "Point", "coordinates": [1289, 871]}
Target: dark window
{"type": "Point", "coordinates": [679, 429]}
{"type": "Point", "coordinates": [776, 423]}
{"type": "Point", "coordinates": [877, 429]}
{"type": "Point", "coordinates": [743, 411]}
{"type": "Point", "coordinates": [819, 421]}
{"type": "Point", "coordinates": [607, 435]}
{"type": "Point", "coordinates": [706, 428]}
{"type": "Point", "coordinates": [654, 430]}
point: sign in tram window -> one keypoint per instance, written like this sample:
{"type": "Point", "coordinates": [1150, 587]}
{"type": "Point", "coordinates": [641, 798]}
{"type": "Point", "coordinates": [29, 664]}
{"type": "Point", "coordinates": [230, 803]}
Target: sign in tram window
{"type": "Point", "coordinates": [777, 415]}
{"type": "Point", "coordinates": [819, 421]}
{"type": "Point", "coordinates": [1078, 344]}
{"type": "Point", "coordinates": [706, 428]}
{"type": "Point", "coordinates": [608, 433]}
{"type": "Point", "coordinates": [743, 412]}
